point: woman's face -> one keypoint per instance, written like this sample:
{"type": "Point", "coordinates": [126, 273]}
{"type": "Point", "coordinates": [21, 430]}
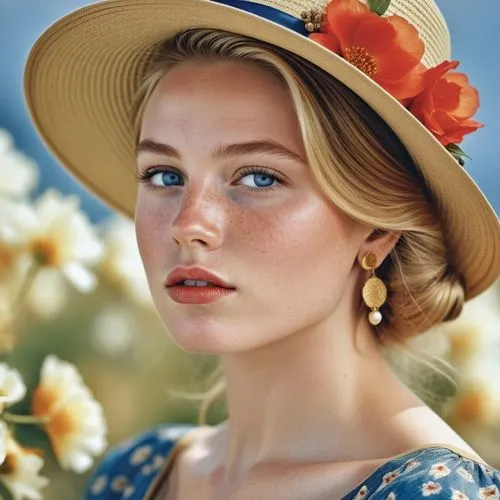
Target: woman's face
{"type": "Point", "coordinates": [229, 190]}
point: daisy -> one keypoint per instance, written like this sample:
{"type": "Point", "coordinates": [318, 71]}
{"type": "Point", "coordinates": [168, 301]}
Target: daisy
{"type": "Point", "coordinates": [3, 441]}
{"type": "Point", "coordinates": [439, 470]}
{"type": "Point", "coordinates": [56, 234]}
{"type": "Point", "coordinates": [20, 472]}
{"type": "Point", "coordinates": [112, 331]}
{"type": "Point", "coordinates": [478, 401]}
{"type": "Point", "coordinates": [430, 488]}
{"type": "Point", "coordinates": [12, 388]}
{"type": "Point", "coordinates": [121, 264]}
{"type": "Point", "coordinates": [474, 335]}
{"type": "Point", "coordinates": [15, 261]}
{"type": "Point", "coordinates": [7, 333]}
{"type": "Point", "coordinates": [73, 419]}
{"type": "Point", "coordinates": [19, 173]}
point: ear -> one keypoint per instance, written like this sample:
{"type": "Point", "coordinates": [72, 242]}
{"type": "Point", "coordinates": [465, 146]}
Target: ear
{"type": "Point", "coordinates": [379, 242]}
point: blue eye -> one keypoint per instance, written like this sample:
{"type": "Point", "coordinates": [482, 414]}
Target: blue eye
{"type": "Point", "coordinates": [263, 178]}
{"type": "Point", "coordinates": [166, 178]}
{"type": "Point", "coordinates": [159, 178]}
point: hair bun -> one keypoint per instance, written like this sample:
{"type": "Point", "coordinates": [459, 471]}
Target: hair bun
{"type": "Point", "coordinates": [452, 292]}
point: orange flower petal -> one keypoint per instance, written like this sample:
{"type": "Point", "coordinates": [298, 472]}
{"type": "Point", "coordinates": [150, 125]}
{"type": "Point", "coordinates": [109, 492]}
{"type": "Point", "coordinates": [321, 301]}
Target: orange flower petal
{"type": "Point", "coordinates": [405, 52]}
{"type": "Point", "coordinates": [328, 40]}
{"type": "Point", "coordinates": [435, 73]}
{"type": "Point", "coordinates": [431, 121]}
{"type": "Point", "coordinates": [343, 18]}
{"type": "Point", "coordinates": [375, 35]}
{"type": "Point", "coordinates": [407, 87]}
{"type": "Point", "coordinates": [407, 36]}
{"type": "Point", "coordinates": [445, 95]}
{"type": "Point", "coordinates": [469, 96]}
{"type": "Point", "coordinates": [454, 130]}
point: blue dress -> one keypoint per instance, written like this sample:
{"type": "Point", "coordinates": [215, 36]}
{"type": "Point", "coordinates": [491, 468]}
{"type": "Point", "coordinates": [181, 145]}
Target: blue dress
{"type": "Point", "coordinates": [130, 470]}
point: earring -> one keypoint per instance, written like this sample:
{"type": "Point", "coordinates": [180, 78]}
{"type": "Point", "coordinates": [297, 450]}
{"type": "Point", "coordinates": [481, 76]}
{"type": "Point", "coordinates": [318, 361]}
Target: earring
{"type": "Point", "coordinates": [374, 291]}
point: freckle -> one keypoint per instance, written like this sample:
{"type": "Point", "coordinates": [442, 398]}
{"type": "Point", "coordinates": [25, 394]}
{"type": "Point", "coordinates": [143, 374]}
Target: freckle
{"type": "Point", "coordinates": [216, 474]}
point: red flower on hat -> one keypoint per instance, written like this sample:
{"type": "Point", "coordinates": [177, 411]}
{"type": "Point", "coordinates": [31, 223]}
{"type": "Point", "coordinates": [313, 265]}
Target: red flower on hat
{"type": "Point", "coordinates": [388, 49]}
{"type": "Point", "coordinates": [447, 103]}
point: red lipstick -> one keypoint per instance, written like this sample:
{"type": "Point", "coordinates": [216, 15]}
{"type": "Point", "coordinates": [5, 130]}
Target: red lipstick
{"type": "Point", "coordinates": [195, 285]}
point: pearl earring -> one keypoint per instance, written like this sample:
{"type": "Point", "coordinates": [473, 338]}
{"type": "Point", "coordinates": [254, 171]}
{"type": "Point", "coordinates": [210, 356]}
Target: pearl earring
{"type": "Point", "coordinates": [374, 291]}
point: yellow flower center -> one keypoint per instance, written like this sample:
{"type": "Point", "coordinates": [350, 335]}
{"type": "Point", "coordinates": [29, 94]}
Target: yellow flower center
{"type": "Point", "coordinates": [6, 257]}
{"type": "Point", "coordinates": [464, 341]}
{"type": "Point", "coordinates": [46, 252]}
{"type": "Point", "coordinates": [61, 422]}
{"type": "Point", "coordinates": [44, 401]}
{"type": "Point", "coordinates": [359, 57]}
{"type": "Point", "coordinates": [472, 406]}
{"type": "Point", "coordinates": [9, 466]}
{"type": "Point", "coordinates": [61, 428]}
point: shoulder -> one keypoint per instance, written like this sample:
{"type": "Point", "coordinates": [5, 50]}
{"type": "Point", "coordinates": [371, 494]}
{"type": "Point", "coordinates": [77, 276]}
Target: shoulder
{"type": "Point", "coordinates": [129, 468]}
{"type": "Point", "coordinates": [435, 472]}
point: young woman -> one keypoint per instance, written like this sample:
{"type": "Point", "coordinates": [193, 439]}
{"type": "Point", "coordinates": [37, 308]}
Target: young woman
{"type": "Point", "coordinates": [300, 207]}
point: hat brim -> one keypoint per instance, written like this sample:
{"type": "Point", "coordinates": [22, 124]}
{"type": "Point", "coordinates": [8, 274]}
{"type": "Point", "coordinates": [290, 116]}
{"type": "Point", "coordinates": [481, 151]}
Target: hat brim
{"type": "Point", "coordinates": [83, 72]}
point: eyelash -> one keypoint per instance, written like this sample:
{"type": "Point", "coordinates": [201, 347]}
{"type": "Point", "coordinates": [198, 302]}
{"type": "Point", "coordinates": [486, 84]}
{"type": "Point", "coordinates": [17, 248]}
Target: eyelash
{"type": "Point", "coordinates": [146, 176]}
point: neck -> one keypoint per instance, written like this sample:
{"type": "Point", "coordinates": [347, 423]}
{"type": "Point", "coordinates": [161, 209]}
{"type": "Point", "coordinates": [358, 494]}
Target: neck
{"type": "Point", "coordinates": [317, 395]}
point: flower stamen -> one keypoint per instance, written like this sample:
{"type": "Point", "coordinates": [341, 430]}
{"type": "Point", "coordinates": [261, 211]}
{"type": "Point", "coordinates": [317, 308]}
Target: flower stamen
{"type": "Point", "coordinates": [359, 57]}
{"type": "Point", "coordinates": [6, 257]}
{"type": "Point", "coordinates": [9, 465]}
{"type": "Point", "coordinates": [46, 252]}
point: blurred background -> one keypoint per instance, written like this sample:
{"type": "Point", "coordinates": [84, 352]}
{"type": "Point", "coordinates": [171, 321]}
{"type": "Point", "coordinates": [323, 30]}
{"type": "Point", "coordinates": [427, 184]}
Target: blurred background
{"type": "Point", "coordinates": [110, 331]}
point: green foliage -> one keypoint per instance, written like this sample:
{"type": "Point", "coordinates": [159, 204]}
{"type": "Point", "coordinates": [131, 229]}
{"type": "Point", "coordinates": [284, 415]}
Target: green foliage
{"type": "Point", "coordinates": [379, 6]}
{"type": "Point", "coordinates": [458, 153]}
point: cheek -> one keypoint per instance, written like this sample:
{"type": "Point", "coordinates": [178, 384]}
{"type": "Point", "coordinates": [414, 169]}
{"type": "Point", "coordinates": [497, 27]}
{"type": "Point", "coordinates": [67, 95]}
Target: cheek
{"type": "Point", "coordinates": [150, 225]}
{"type": "Point", "coordinates": [294, 267]}
{"type": "Point", "coordinates": [310, 239]}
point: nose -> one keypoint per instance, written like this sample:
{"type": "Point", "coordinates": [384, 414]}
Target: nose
{"type": "Point", "coordinates": [199, 221]}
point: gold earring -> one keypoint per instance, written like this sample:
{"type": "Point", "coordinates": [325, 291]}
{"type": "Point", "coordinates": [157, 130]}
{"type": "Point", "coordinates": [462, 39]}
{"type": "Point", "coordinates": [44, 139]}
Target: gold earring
{"type": "Point", "coordinates": [374, 291]}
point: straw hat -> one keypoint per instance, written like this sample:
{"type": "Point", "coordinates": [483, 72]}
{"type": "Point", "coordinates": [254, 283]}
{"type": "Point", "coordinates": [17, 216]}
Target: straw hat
{"type": "Point", "coordinates": [83, 72]}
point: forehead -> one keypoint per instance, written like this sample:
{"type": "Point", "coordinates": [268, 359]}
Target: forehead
{"type": "Point", "coordinates": [230, 98]}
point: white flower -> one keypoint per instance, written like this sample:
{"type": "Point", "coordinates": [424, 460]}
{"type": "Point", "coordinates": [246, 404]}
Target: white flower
{"type": "Point", "coordinates": [14, 259]}
{"type": "Point", "coordinates": [3, 441]}
{"type": "Point", "coordinates": [113, 331]}
{"type": "Point", "coordinates": [49, 294]}
{"type": "Point", "coordinates": [75, 423]}
{"type": "Point", "coordinates": [478, 399]}
{"type": "Point", "coordinates": [19, 173]}
{"type": "Point", "coordinates": [475, 333]}
{"type": "Point", "coordinates": [6, 141]}
{"type": "Point", "coordinates": [7, 334]}
{"type": "Point", "coordinates": [121, 264]}
{"type": "Point", "coordinates": [12, 388]}
{"type": "Point", "coordinates": [20, 472]}
{"type": "Point", "coordinates": [57, 233]}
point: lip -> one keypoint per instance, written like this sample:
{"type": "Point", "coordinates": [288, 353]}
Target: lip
{"type": "Point", "coordinates": [197, 294]}
{"type": "Point", "coordinates": [181, 273]}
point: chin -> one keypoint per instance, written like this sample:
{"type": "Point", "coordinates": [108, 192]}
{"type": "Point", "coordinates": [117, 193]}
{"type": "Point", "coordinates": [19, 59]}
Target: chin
{"type": "Point", "coordinates": [199, 337]}
{"type": "Point", "coordinates": [214, 339]}
{"type": "Point", "coordinates": [201, 343]}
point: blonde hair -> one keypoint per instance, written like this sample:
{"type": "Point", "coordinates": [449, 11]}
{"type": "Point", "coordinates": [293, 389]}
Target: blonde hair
{"type": "Point", "coordinates": [358, 162]}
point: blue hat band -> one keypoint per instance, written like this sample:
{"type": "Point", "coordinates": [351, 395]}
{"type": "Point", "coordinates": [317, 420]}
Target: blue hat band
{"type": "Point", "coordinates": [269, 13]}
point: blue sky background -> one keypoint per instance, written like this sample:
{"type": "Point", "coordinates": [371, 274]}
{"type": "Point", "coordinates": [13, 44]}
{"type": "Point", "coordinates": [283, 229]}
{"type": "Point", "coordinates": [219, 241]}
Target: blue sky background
{"type": "Point", "coordinates": [475, 32]}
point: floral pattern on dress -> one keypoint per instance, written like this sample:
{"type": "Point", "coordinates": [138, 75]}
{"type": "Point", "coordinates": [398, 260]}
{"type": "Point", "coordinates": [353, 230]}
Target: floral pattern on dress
{"type": "Point", "coordinates": [437, 473]}
{"type": "Point", "coordinates": [129, 469]}
{"type": "Point", "coordinates": [434, 472]}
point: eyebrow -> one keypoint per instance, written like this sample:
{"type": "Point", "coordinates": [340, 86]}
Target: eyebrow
{"type": "Point", "coordinates": [223, 150]}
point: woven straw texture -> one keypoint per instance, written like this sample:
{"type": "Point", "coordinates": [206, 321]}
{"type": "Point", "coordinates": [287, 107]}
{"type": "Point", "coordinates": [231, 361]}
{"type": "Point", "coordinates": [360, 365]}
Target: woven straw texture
{"type": "Point", "coordinates": [423, 14]}
{"type": "Point", "coordinates": [83, 72]}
